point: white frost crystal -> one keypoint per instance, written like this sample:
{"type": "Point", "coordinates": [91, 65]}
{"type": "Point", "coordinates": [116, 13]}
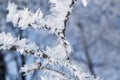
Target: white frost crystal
{"type": "Point", "coordinates": [6, 40]}
{"type": "Point", "coordinates": [56, 52]}
{"type": "Point", "coordinates": [22, 18]}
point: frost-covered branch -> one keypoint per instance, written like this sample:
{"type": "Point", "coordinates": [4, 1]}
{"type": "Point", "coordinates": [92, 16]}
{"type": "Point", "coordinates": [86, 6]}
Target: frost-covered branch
{"type": "Point", "coordinates": [67, 70]}
{"type": "Point", "coordinates": [55, 63]}
{"type": "Point", "coordinates": [55, 22]}
{"type": "Point", "coordinates": [24, 46]}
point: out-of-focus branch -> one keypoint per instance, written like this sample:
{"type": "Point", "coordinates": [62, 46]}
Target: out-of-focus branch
{"type": "Point", "coordinates": [85, 47]}
{"type": "Point", "coordinates": [2, 67]}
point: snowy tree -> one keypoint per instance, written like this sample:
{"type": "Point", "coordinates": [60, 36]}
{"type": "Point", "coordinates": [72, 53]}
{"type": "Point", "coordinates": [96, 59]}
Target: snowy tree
{"type": "Point", "coordinates": [54, 62]}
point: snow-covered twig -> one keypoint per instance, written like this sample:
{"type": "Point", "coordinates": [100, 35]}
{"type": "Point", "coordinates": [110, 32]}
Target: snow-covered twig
{"type": "Point", "coordinates": [24, 46]}
{"type": "Point", "coordinates": [67, 69]}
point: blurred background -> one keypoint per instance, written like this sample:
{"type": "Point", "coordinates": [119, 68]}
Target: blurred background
{"type": "Point", "coordinates": [93, 32]}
